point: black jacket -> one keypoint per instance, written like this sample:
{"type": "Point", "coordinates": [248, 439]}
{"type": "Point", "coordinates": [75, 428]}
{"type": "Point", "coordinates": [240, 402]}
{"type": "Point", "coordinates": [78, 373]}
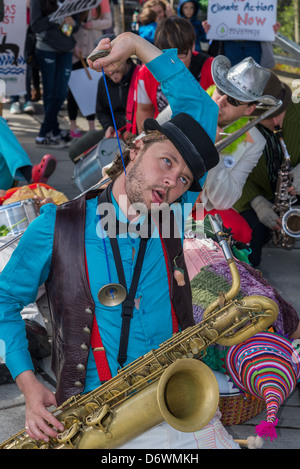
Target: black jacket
{"type": "Point", "coordinates": [118, 93]}
{"type": "Point", "coordinates": [49, 32]}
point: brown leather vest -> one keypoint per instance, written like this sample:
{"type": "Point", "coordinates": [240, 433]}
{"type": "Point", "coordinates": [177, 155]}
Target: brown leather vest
{"type": "Point", "coordinates": [70, 301]}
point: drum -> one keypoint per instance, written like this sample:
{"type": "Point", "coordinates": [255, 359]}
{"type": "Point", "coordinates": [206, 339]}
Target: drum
{"type": "Point", "coordinates": [11, 214]}
{"type": "Point", "coordinates": [88, 170]}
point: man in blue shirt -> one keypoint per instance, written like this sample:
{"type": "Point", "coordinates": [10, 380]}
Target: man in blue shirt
{"type": "Point", "coordinates": [162, 171]}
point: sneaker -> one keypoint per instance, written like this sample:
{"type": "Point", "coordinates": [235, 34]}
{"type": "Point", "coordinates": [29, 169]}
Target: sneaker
{"type": "Point", "coordinates": [28, 107]}
{"type": "Point", "coordinates": [15, 108]}
{"type": "Point", "coordinates": [75, 133]}
{"type": "Point", "coordinates": [48, 141]}
{"type": "Point", "coordinates": [41, 172]}
{"type": "Point", "coordinates": [65, 136]}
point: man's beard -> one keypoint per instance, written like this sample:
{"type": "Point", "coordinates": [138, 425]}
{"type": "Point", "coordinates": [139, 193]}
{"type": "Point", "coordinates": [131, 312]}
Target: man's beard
{"type": "Point", "coordinates": [135, 184]}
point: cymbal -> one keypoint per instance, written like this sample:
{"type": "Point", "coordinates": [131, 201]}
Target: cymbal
{"type": "Point", "coordinates": [112, 294]}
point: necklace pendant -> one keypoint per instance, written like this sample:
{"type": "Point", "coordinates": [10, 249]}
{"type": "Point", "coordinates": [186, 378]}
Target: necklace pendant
{"type": "Point", "coordinates": [112, 294]}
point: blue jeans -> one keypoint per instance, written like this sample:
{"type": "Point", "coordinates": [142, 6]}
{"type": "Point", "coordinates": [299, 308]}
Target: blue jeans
{"type": "Point", "coordinates": [55, 69]}
{"type": "Point", "coordinates": [236, 51]}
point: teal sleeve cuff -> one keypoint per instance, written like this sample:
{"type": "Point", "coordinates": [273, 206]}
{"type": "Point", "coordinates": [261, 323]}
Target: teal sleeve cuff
{"type": "Point", "coordinates": [19, 361]}
{"type": "Point", "coordinates": [165, 65]}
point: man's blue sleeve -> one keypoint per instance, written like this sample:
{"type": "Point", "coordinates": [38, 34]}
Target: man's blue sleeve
{"type": "Point", "coordinates": [183, 92]}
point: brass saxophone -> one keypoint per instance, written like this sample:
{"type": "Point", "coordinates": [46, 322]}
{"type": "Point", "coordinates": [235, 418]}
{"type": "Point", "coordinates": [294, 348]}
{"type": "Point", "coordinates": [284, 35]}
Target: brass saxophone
{"type": "Point", "coordinates": [283, 202]}
{"type": "Point", "coordinates": [169, 383]}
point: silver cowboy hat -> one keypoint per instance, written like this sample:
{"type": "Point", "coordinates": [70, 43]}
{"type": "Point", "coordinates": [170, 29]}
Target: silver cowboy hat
{"type": "Point", "coordinates": [245, 81]}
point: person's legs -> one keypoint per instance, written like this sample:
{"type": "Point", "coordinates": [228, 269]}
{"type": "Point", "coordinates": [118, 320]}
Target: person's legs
{"type": "Point", "coordinates": [236, 51]}
{"type": "Point", "coordinates": [28, 105]}
{"type": "Point", "coordinates": [260, 235]}
{"type": "Point", "coordinates": [55, 69]}
{"type": "Point", "coordinates": [233, 51]}
{"type": "Point", "coordinates": [252, 49]}
{"type": "Point", "coordinates": [62, 76]}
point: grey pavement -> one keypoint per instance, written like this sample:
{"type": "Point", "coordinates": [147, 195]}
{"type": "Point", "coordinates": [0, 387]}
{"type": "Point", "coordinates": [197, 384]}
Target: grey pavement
{"type": "Point", "coordinates": [281, 268]}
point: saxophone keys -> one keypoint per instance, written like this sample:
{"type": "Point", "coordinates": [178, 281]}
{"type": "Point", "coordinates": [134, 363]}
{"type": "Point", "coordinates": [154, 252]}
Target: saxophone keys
{"type": "Point", "coordinates": [97, 418]}
{"type": "Point", "coordinates": [69, 434]}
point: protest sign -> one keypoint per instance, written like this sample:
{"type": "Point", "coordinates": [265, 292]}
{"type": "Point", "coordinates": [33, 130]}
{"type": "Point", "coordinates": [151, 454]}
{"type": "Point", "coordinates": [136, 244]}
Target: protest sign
{"type": "Point", "coordinates": [12, 40]}
{"type": "Point", "coordinates": [84, 89]}
{"type": "Point", "coordinates": [248, 20]}
{"type": "Point", "coordinates": [71, 7]}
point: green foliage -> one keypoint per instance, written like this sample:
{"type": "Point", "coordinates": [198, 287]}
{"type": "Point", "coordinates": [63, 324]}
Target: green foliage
{"type": "Point", "coordinates": [203, 4]}
{"type": "Point", "coordinates": [286, 17]}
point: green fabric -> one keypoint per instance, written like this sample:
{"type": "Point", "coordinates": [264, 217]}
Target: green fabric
{"type": "Point", "coordinates": [206, 286]}
{"type": "Point", "coordinates": [215, 357]}
{"type": "Point", "coordinates": [231, 128]}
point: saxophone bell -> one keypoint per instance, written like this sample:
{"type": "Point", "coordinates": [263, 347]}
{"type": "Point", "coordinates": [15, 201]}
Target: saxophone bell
{"type": "Point", "coordinates": [290, 217]}
{"type": "Point", "coordinates": [291, 223]}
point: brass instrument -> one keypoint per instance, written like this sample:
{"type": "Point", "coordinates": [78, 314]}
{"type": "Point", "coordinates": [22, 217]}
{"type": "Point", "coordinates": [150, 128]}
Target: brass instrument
{"type": "Point", "coordinates": [252, 122]}
{"type": "Point", "coordinates": [230, 306]}
{"type": "Point", "coordinates": [169, 383]}
{"type": "Point", "coordinates": [283, 202]}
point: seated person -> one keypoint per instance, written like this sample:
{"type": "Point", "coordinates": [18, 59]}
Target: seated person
{"type": "Point", "coordinates": [177, 33]}
{"type": "Point", "coordinates": [256, 203]}
{"type": "Point", "coordinates": [15, 164]}
{"type": "Point", "coordinates": [148, 165]}
{"type": "Point", "coordinates": [224, 183]}
{"type": "Point", "coordinates": [120, 84]}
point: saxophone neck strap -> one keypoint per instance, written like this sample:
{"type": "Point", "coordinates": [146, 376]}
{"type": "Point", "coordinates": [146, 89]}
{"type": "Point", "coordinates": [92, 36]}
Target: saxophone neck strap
{"type": "Point", "coordinates": [128, 303]}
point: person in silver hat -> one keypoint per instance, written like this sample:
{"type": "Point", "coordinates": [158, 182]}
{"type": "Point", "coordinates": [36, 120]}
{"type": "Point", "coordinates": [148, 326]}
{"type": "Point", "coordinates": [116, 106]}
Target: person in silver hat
{"type": "Point", "coordinates": [238, 90]}
{"type": "Point", "coordinates": [256, 203]}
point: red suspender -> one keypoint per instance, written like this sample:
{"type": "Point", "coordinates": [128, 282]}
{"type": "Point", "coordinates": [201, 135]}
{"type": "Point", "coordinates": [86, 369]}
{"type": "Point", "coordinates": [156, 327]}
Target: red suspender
{"type": "Point", "coordinates": [174, 317]}
{"type": "Point", "coordinates": [97, 347]}
{"type": "Point", "coordinates": [130, 100]}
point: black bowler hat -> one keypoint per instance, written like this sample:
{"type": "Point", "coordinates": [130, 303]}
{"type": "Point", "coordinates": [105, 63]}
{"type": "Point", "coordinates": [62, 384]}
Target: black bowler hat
{"type": "Point", "coordinates": [192, 142]}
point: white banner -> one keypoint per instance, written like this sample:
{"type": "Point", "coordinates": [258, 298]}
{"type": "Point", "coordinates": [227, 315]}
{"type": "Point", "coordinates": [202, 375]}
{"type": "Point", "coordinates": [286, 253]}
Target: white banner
{"type": "Point", "coordinates": [12, 40]}
{"type": "Point", "coordinates": [250, 20]}
{"type": "Point", "coordinates": [84, 86]}
{"type": "Point", "coordinates": [70, 7]}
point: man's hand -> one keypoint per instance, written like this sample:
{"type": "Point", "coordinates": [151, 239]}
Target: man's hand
{"type": "Point", "coordinates": [38, 397]}
{"type": "Point", "coordinates": [110, 132]}
{"type": "Point", "coordinates": [120, 49]}
{"type": "Point", "coordinates": [265, 213]}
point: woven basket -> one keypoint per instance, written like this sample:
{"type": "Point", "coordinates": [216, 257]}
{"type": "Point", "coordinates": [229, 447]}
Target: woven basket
{"type": "Point", "coordinates": [239, 408]}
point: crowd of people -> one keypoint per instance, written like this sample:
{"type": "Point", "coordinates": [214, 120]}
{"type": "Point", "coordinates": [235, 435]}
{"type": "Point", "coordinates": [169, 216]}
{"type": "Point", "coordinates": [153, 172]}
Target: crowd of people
{"type": "Point", "coordinates": [172, 103]}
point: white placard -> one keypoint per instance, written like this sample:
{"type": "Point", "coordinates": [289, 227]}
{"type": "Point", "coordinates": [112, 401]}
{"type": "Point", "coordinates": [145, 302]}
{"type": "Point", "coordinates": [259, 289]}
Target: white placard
{"type": "Point", "coordinates": [84, 90]}
{"type": "Point", "coordinates": [71, 7]}
{"type": "Point", "coordinates": [12, 40]}
{"type": "Point", "coordinates": [249, 20]}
